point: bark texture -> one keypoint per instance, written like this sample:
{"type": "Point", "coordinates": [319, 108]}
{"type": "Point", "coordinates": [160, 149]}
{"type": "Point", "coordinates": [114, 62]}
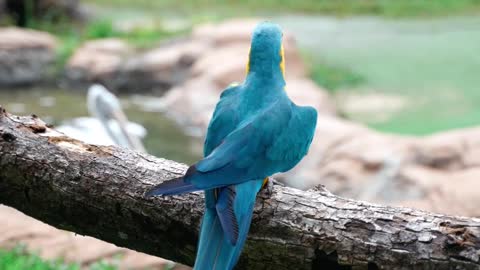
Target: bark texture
{"type": "Point", "coordinates": [99, 191]}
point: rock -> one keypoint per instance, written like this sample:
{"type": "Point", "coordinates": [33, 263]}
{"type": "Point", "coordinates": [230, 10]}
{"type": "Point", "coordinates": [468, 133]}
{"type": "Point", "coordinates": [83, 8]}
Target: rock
{"type": "Point", "coordinates": [223, 65]}
{"type": "Point", "coordinates": [26, 56]}
{"type": "Point", "coordinates": [228, 32]}
{"type": "Point", "coordinates": [453, 193]}
{"type": "Point", "coordinates": [162, 68]}
{"type": "Point", "coordinates": [305, 92]}
{"type": "Point", "coordinates": [231, 41]}
{"type": "Point", "coordinates": [115, 64]}
{"type": "Point", "coordinates": [435, 173]}
{"type": "Point", "coordinates": [97, 61]}
{"type": "Point", "coordinates": [192, 104]}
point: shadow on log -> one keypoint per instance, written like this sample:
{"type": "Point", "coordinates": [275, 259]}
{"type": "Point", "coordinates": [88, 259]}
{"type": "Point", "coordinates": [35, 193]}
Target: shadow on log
{"type": "Point", "coordinates": [99, 191]}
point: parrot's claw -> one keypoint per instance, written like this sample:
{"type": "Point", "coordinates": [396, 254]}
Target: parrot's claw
{"type": "Point", "coordinates": [268, 184]}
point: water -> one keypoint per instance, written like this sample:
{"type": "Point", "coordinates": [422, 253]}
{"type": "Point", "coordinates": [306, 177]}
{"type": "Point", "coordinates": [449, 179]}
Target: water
{"type": "Point", "coordinates": [164, 139]}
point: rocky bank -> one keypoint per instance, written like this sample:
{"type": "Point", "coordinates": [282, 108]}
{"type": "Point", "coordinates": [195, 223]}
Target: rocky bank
{"type": "Point", "coordinates": [27, 57]}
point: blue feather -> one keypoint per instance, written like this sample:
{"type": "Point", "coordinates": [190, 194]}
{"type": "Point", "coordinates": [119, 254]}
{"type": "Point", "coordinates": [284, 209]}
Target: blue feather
{"type": "Point", "coordinates": [215, 251]}
{"type": "Point", "coordinates": [171, 187]}
{"type": "Point", "coordinates": [226, 213]}
{"type": "Point", "coordinates": [255, 131]}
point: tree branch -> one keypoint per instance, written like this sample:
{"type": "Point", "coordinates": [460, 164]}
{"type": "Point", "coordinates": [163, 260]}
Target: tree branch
{"type": "Point", "coordinates": [98, 191]}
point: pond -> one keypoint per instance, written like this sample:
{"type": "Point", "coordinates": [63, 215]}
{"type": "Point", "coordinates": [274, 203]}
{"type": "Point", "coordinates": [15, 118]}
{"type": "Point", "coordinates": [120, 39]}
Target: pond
{"type": "Point", "coordinates": [164, 138]}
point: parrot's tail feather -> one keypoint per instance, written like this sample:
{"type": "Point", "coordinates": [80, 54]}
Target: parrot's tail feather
{"type": "Point", "coordinates": [171, 187]}
{"type": "Point", "coordinates": [226, 213]}
{"type": "Point", "coordinates": [212, 244]}
{"type": "Point", "coordinates": [215, 248]}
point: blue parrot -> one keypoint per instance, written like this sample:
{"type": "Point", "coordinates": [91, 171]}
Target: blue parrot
{"type": "Point", "coordinates": [255, 131]}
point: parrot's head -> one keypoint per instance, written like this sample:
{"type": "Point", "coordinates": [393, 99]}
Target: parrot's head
{"type": "Point", "coordinates": [266, 55]}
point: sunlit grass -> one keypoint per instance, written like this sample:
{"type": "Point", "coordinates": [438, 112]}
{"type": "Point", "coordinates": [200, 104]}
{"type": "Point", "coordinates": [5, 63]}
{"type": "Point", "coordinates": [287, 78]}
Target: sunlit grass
{"type": "Point", "coordinates": [432, 64]}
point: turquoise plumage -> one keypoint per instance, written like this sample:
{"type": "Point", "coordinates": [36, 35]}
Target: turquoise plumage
{"type": "Point", "coordinates": [255, 131]}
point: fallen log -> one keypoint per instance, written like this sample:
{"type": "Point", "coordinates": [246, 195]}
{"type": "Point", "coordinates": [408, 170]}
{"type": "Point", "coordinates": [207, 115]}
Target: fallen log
{"type": "Point", "coordinates": [99, 191]}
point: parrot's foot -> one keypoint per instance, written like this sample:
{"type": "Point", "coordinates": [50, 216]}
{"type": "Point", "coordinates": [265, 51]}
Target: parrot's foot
{"type": "Point", "coordinates": [268, 184]}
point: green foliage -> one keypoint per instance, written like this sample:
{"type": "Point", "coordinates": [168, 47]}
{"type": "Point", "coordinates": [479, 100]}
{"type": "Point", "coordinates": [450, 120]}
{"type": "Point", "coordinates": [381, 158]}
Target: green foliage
{"type": "Point", "coordinates": [19, 259]}
{"type": "Point", "coordinates": [140, 37]}
{"type": "Point", "coordinates": [147, 37]}
{"type": "Point", "coordinates": [100, 29]}
{"type": "Point", "coordinates": [334, 77]}
{"type": "Point", "coordinates": [68, 44]}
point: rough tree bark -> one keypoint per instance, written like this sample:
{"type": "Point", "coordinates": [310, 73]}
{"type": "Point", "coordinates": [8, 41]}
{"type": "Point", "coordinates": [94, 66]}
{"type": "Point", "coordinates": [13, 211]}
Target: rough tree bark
{"type": "Point", "coordinates": [99, 191]}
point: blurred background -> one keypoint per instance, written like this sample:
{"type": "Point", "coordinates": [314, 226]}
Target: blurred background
{"type": "Point", "coordinates": [396, 84]}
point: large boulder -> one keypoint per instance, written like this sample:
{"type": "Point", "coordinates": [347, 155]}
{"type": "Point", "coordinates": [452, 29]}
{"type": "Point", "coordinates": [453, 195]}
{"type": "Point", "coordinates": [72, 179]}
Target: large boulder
{"type": "Point", "coordinates": [26, 56]}
{"type": "Point", "coordinates": [115, 64]}
{"type": "Point", "coordinates": [437, 173]}
{"type": "Point", "coordinates": [162, 68]}
{"type": "Point", "coordinates": [97, 61]}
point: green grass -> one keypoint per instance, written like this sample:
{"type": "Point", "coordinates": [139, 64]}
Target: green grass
{"type": "Point", "coordinates": [344, 7]}
{"type": "Point", "coordinates": [139, 37]}
{"type": "Point", "coordinates": [432, 63]}
{"type": "Point", "coordinates": [19, 259]}
{"type": "Point", "coordinates": [333, 78]}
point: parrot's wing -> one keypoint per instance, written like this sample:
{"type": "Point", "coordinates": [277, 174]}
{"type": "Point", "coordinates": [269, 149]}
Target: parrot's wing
{"type": "Point", "coordinates": [171, 187]}
{"type": "Point", "coordinates": [288, 147]}
{"type": "Point", "coordinates": [292, 144]}
{"type": "Point", "coordinates": [224, 120]}
{"type": "Point", "coordinates": [245, 144]}
{"type": "Point", "coordinates": [241, 148]}
{"type": "Point", "coordinates": [275, 140]}
{"type": "Point", "coordinates": [227, 151]}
